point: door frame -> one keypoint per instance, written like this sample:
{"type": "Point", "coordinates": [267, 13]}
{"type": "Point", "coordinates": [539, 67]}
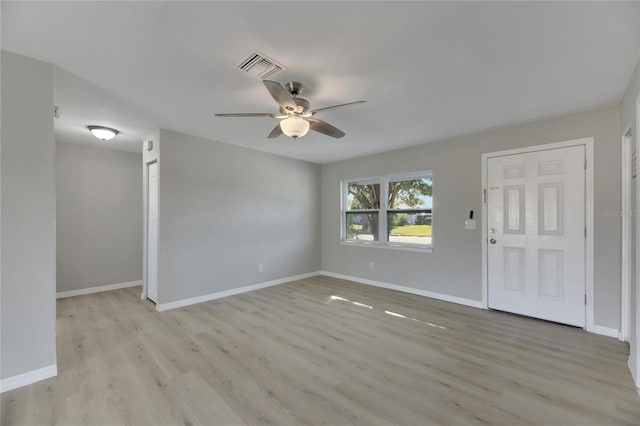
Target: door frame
{"type": "Point", "coordinates": [145, 247]}
{"type": "Point", "coordinates": [589, 212]}
{"type": "Point", "coordinates": [627, 217]}
{"type": "Point", "coordinates": [633, 364]}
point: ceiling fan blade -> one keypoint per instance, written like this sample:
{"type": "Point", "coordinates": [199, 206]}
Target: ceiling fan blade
{"type": "Point", "coordinates": [325, 128]}
{"type": "Point", "coordinates": [249, 114]}
{"type": "Point", "coordinates": [277, 131]}
{"type": "Point", "coordinates": [279, 93]}
{"type": "Point", "coordinates": [337, 106]}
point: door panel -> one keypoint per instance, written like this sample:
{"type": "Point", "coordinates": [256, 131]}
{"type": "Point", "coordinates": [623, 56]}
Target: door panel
{"type": "Point", "coordinates": [550, 202]}
{"type": "Point", "coordinates": [514, 269]}
{"type": "Point", "coordinates": [536, 223]}
{"type": "Point", "coordinates": [514, 209]}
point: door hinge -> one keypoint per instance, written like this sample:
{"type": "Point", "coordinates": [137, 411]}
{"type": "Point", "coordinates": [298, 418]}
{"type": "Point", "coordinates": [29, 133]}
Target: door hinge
{"type": "Point", "coordinates": [484, 192]}
{"type": "Point", "coordinates": [585, 232]}
{"type": "Point", "coordinates": [585, 164]}
{"type": "Point", "coordinates": [585, 299]}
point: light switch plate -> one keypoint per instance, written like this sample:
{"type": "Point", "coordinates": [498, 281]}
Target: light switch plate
{"type": "Point", "coordinates": [469, 224]}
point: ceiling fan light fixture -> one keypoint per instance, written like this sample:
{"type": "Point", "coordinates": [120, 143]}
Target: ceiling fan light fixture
{"type": "Point", "coordinates": [295, 115]}
{"type": "Point", "coordinates": [103, 133]}
{"type": "Point", "coordinates": [294, 127]}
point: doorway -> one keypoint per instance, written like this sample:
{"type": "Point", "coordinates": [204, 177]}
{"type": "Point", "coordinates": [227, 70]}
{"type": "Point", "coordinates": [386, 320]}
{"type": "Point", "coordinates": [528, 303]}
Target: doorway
{"type": "Point", "coordinates": [152, 233]}
{"type": "Point", "coordinates": [629, 191]}
{"type": "Point", "coordinates": [537, 242]}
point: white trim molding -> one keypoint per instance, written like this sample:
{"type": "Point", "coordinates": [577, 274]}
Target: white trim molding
{"type": "Point", "coordinates": [597, 329]}
{"type": "Point", "coordinates": [627, 218]}
{"type": "Point", "coordinates": [98, 289]}
{"type": "Point", "coordinates": [634, 339]}
{"type": "Point", "coordinates": [231, 292]}
{"type": "Point", "coordinates": [606, 331]}
{"type": "Point", "coordinates": [404, 289]}
{"type": "Point", "coordinates": [589, 220]}
{"type": "Point", "coordinates": [28, 378]}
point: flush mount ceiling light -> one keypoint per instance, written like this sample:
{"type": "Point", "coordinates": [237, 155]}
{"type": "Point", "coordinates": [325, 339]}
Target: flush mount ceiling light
{"type": "Point", "coordinates": [103, 133]}
{"type": "Point", "coordinates": [294, 127]}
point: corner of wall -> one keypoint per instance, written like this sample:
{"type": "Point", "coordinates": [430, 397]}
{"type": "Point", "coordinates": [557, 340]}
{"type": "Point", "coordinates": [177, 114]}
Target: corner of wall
{"type": "Point", "coordinates": [28, 257]}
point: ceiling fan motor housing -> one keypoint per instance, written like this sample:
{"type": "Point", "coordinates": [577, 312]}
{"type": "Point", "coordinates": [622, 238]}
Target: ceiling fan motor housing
{"type": "Point", "coordinates": [294, 88]}
{"type": "Point", "coordinates": [303, 106]}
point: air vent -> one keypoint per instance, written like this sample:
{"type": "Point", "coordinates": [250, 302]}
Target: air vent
{"type": "Point", "coordinates": [260, 65]}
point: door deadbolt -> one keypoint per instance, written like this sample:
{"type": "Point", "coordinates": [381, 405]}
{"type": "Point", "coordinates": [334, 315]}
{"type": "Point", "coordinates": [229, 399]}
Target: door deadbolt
{"type": "Point", "coordinates": [492, 241]}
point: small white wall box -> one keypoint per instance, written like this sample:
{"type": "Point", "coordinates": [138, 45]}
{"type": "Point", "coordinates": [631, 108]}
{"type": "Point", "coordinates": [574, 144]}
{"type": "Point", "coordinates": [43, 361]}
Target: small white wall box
{"type": "Point", "coordinates": [148, 145]}
{"type": "Point", "coordinates": [469, 224]}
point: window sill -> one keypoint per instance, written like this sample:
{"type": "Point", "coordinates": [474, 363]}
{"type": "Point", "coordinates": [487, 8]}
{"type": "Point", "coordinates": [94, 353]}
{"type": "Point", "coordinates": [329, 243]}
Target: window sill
{"type": "Point", "coordinates": [419, 249]}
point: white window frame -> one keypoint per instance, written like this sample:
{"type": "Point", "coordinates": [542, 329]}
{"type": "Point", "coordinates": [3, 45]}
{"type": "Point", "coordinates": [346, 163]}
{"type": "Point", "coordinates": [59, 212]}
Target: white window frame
{"type": "Point", "coordinates": [382, 212]}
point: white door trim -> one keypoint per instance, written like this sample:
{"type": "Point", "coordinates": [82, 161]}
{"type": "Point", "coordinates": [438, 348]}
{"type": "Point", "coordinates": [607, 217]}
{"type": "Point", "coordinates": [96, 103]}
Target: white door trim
{"type": "Point", "coordinates": [589, 214]}
{"type": "Point", "coordinates": [626, 241]}
{"type": "Point", "coordinates": [635, 363]}
{"type": "Point", "coordinates": [145, 214]}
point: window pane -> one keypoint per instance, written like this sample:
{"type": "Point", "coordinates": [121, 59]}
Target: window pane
{"type": "Point", "coordinates": [409, 228]}
{"type": "Point", "coordinates": [362, 226]}
{"type": "Point", "coordinates": [363, 196]}
{"type": "Point", "coordinates": [411, 194]}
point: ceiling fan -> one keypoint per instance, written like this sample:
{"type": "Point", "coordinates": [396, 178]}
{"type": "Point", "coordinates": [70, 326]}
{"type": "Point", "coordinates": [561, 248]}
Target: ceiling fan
{"type": "Point", "coordinates": [296, 115]}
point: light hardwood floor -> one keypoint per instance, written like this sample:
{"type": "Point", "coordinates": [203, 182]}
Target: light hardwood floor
{"type": "Point", "coordinates": [322, 351]}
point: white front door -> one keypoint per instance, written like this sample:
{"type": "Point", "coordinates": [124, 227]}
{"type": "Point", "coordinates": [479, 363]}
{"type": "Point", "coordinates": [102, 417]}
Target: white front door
{"type": "Point", "coordinates": [536, 231]}
{"type": "Point", "coordinates": [152, 233]}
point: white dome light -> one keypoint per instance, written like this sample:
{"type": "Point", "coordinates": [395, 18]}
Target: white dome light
{"type": "Point", "coordinates": [103, 133]}
{"type": "Point", "coordinates": [294, 127]}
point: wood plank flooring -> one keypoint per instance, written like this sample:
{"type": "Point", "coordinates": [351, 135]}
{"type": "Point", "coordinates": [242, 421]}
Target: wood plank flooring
{"type": "Point", "coordinates": [321, 351]}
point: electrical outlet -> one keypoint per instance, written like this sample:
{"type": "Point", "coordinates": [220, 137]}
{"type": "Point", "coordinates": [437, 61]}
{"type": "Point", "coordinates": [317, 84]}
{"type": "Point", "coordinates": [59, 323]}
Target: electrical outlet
{"type": "Point", "coordinates": [260, 267]}
{"type": "Point", "coordinates": [370, 265]}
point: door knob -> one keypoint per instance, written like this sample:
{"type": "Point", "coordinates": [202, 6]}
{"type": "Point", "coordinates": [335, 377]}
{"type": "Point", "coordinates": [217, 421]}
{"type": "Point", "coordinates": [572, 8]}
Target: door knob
{"type": "Point", "coordinates": [492, 241]}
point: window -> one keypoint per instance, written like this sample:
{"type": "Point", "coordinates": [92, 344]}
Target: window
{"type": "Point", "coordinates": [389, 210]}
{"type": "Point", "coordinates": [409, 210]}
{"type": "Point", "coordinates": [363, 210]}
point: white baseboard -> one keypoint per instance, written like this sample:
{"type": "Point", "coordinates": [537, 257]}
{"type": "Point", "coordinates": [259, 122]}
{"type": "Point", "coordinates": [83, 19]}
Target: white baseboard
{"type": "Point", "coordinates": [231, 292]}
{"type": "Point", "coordinates": [25, 379]}
{"type": "Point", "coordinates": [598, 329]}
{"type": "Point", "coordinates": [606, 331]}
{"type": "Point", "coordinates": [411, 290]}
{"type": "Point", "coordinates": [98, 289]}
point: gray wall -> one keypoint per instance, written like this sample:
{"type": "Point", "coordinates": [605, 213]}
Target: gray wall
{"type": "Point", "coordinates": [628, 118]}
{"type": "Point", "coordinates": [226, 209]}
{"type": "Point", "coordinates": [28, 215]}
{"type": "Point", "coordinates": [454, 267]}
{"type": "Point", "coordinates": [99, 216]}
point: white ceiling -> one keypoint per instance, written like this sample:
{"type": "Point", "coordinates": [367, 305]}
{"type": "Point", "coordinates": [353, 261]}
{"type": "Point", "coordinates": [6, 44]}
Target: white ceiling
{"type": "Point", "coordinates": [429, 71]}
